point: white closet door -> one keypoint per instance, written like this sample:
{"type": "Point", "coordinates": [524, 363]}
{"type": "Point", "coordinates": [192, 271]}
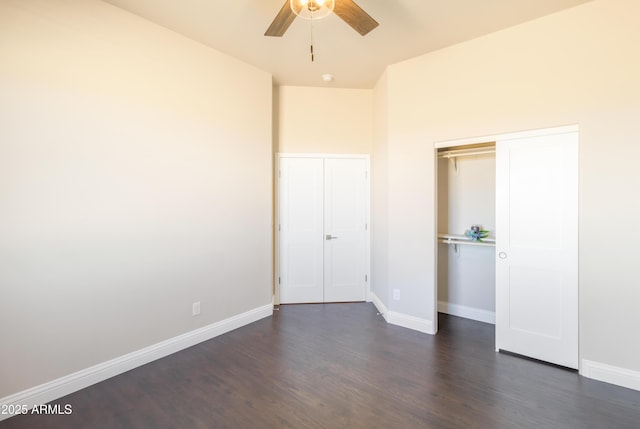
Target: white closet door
{"type": "Point", "coordinates": [301, 230]}
{"type": "Point", "coordinates": [537, 247]}
{"type": "Point", "coordinates": [345, 230]}
{"type": "Point", "coordinates": [323, 237]}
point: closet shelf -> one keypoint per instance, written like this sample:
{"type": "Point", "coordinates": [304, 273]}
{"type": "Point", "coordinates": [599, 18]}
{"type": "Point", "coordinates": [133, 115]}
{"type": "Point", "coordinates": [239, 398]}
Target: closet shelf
{"type": "Point", "coordinates": [456, 153]}
{"type": "Point", "coordinates": [463, 239]}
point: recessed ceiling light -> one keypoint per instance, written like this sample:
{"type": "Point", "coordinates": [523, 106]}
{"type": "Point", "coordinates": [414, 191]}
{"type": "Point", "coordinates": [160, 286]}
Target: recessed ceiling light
{"type": "Point", "coordinates": [327, 77]}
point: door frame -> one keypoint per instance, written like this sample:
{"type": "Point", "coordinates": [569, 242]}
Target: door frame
{"type": "Point", "coordinates": [276, 204]}
{"type": "Point", "coordinates": [494, 138]}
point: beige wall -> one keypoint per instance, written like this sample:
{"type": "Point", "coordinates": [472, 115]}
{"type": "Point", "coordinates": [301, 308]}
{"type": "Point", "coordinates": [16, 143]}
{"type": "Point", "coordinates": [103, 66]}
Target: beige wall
{"type": "Point", "coordinates": [324, 120]}
{"type": "Point", "coordinates": [135, 179]}
{"type": "Point", "coordinates": [379, 193]}
{"type": "Point", "coordinates": [577, 66]}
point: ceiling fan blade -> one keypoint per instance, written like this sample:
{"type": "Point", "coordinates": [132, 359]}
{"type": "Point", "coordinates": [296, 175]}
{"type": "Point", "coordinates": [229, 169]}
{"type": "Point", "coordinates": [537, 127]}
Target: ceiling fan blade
{"type": "Point", "coordinates": [355, 16]}
{"type": "Point", "coordinates": [282, 21]}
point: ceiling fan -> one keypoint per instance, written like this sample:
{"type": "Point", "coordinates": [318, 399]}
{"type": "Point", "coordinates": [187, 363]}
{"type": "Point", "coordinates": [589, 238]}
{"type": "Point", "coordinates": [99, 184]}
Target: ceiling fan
{"type": "Point", "coordinates": [347, 10]}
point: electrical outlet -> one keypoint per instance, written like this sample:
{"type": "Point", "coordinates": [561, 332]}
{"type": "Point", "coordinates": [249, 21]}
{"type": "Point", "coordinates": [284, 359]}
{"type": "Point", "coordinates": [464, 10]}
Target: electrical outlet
{"type": "Point", "coordinates": [195, 308]}
{"type": "Point", "coordinates": [396, 294]}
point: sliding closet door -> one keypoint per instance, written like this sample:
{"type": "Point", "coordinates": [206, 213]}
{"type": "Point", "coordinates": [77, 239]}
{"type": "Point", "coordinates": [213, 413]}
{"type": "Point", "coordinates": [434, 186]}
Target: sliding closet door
{"type": "Point", "coordinates": [537, 247]}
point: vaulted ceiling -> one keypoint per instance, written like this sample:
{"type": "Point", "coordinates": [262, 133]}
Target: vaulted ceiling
{"type": "Point", "coordinates": [408, 28]}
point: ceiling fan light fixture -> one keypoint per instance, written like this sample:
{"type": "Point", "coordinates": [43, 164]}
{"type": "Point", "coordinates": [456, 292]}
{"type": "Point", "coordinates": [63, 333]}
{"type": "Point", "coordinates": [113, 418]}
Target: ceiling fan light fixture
{"type": "Point", "coordinates": [312, 9]}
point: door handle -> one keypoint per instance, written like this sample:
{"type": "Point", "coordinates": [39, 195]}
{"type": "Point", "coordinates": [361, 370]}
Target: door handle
{"type": "Point", "coordinates": [330, 237]}
{"type": "Point", "coordinates": [502, 255]}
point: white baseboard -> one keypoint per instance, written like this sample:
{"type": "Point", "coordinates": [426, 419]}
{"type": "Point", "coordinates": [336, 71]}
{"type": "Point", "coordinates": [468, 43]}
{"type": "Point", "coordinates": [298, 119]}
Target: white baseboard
{"type": "Point", "coordinates": [411, 322]}
{"type": "Point", "coordinates": [467, 312]}
{"type": "Point", "coordinates": [79, 380]}
{"type": "Point", "coordinates": [382, 309]}
{"type": "Point", "coordinates": [401, 319]}
{"type": "Point", "coordinates": [611, 374]}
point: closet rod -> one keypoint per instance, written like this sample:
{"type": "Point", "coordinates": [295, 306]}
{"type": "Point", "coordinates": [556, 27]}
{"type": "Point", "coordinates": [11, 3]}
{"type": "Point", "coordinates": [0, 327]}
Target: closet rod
{"type": "Point", "coordinates": [465, 152]}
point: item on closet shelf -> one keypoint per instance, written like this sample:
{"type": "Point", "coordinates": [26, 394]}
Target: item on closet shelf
{"type": "Point", "coordinates": [476, 233]}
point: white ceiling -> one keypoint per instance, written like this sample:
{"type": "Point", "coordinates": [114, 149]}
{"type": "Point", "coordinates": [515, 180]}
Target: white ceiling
{"type": "Point", "coordinates": [408, 28]}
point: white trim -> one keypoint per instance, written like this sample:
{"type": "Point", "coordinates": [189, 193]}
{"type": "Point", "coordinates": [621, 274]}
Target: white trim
{"type": "Point", "coordinates": [411, 322]}
{"type": "Point", "coordinates": [79, 380]}
{"type": "Point", "coordinates": [401, 319]}
{"type": "Point", "coordinates": [611, 374]}
{"type": "Point", "coordinates": [323, 155]}
{"type": "Point", "coordinates": [382, 309]}
{"type": "Point", "coordinates": [508, 136]}
{"type": "Point", "coordinates": [472, 313]}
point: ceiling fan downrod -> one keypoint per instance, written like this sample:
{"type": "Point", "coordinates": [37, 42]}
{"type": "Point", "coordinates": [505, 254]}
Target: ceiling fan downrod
{"type": "Point", "coordinates": [311, 36]}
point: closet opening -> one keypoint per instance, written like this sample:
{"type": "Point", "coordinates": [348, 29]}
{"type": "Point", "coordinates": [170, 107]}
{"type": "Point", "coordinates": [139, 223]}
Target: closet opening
{"type": "Point", "coordinates": [522, 189]}
{"type": "Point", "coordinates": [466, 219]}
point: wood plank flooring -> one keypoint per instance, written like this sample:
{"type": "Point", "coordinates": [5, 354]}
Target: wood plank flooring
{"type": "Point", "coordinates": [343, 366]}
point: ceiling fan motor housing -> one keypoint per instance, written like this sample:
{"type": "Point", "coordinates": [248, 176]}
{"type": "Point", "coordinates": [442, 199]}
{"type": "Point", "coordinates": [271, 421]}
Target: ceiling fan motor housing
{"type": "Point", "coordinates": [347, 10]}
{"type": "Point", "coordinates": [312, 9]}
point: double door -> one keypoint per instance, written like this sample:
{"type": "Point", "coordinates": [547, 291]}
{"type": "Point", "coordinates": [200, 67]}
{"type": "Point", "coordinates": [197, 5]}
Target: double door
{"type": "Point", "coordinates": [322, 229]}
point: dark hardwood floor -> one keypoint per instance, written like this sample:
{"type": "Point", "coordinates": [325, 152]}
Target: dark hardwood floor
{"type": "Point", "coordinates": [343, 366]}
